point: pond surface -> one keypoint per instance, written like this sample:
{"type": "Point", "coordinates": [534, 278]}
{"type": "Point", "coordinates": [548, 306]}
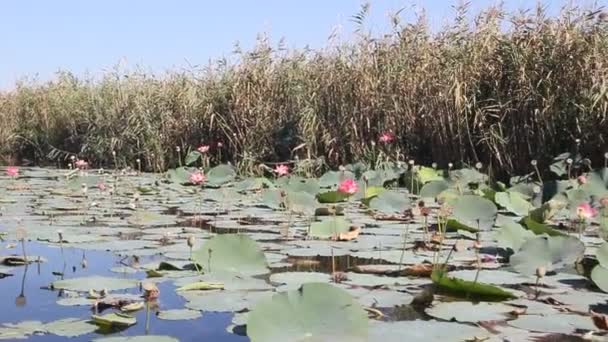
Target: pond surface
{"type": "Point", "coordinates": [99, 242]}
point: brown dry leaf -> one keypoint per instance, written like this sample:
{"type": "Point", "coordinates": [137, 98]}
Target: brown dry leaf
{"type": "Point", "coordinates": [419, 270]}
{"type": "Point", "coordinates": [600, 321]}
{"type": "Point", "coordinates": [303, 262]}
{"type": "Point", "coordinates": [352, 234]}
{"type": "Point", "coordinates": [519, 311]}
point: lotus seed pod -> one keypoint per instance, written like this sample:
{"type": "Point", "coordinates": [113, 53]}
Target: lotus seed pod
{"type": "Point", "coordinates": [190, 241]}
{"type": "Point", "coordinates": [138, 161]}
{"type": "Point", "coordinates": [478, 165]}
{"type": "Point", "coordinates": [536, 189]}
{"type": "Point", "coordinates": [450, 165]}
{"type": "Point", "coordinates": [72, 157]}
{"type": "Point", "coordinates": [411, 162]}
{"type": "Point", "coordinates": [577, 141]}
{"type": "Point", "coordinates": [541, 271]}
{"type": "Point", "coordinates": [534, 162]}
{"type": "Point", "coordinates": [569, 161]}
{"type": "Point", "coordinates": [606, 155]}
{"type": "Point", "coordinates": [178, 149]}
{"type": "Point", "coordinates": [434, 165]}
{"type": "Point", "coordinates": [114, 153]}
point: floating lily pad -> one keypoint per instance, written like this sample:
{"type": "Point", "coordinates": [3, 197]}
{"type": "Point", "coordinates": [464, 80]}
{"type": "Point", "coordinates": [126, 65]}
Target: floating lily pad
{"type": "Point", "coordinates": [423, 331]}
{"type": "Point", "coordinates": [514, 202]}
{"type": "Point", "coordinates": [223, 300]}
{"type": "Point", "coordinates": [390, 202]}
{"type": "Point", "coordinates": [70, 327]}
{"type": "Point", "coordinates": [331, 226]}
{"type": "Point", "coordinates": [475, 212]}
{"type": "Point", "coordinates": [85, 284]}
{"type": "Point", "coordinates": [220, 175]}
{"type": "Point", "coordinates": [114, 319]}
{"type": "Point", "coordinates": [470, 312]}
{"type": "Point", "coordinates": [512, 235]}
{"type": "Point", "coordinates": [554, 323]}
{"type": "Point", "coordinates": [179, 314]}
{"type": "Point", "coordinates": [236, 253]}
{"type": "Point", "coordinates": [550, 252]}
{"type": "Point", "coordinates": [468, 289]}
{"type": "Point", "coordinates": [317, 311]}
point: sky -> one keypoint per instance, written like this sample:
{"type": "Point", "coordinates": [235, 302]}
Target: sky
{"type": "Point", "coordinates": [38, 38]}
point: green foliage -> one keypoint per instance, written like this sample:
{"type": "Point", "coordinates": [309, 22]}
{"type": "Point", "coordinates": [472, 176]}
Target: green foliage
{"type": "Point", "coordinates": [468, 289]}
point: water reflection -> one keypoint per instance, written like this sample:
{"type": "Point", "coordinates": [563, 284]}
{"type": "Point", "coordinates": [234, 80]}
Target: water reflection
{"type": "Point", "coordinates": [21, 300]}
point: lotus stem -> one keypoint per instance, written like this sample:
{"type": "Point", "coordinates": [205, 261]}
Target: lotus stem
{"type": "Point", "coordinates": [405, 236]}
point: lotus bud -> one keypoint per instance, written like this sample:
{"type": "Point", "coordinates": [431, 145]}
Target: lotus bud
{"type": "Point", "coordinates": [606, 155]}
{"type": "Point", "coordinates": [178, 149]}
{"type": "Point", "coordinates": [450, 165]}
{"type": "Point", "coordinates": [541, 271]}
{"type": "Point", "coordinates": [190, 241]}
{"type": "Point", "coordinates": [582, 179]}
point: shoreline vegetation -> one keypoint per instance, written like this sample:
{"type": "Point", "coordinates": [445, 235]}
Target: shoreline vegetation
{"type": "Point", "coordinates": [500, 89]}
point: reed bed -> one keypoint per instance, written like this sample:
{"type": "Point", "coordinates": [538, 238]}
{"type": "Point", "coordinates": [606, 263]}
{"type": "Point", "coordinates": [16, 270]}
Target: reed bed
{"type": "Point", "coordinates": [501, 89]}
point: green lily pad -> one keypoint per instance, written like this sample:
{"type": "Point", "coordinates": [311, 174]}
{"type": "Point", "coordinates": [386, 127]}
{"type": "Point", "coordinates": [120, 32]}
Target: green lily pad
{"type": "Point", "coordinates": [331, 226]}
{"type": "Point", "coordinates": [514, 202]}
{"type": "Point", "coordinates": [390, 202]}
{"type": "Point", "coordinates": [85, 284]}
{"type": "Point", "coordinates": [423, 331]}
{"type": "Point", "coordinates": [301, 202]}
{"type": "Point", "coordinates": [474, 211]}
{"type": "Point", "coordinates": [599, 275]}
{"type": "Point", "coordinates": [236, 253]}
{"type": "Point", "coordinates": [433, 189]}
{"type": "Point", "coordinates": [555, 323]}
{"type": "Point", "coordinates": [114, 319]}
{"type": "Point", "coordinates": [539, 228]}
{"type": "Point", "coordinates": [220, 175]}
{"type": "Point", "coordinates": [467, 289]}
{"type": "Point", "coordinates": [201, 286]}
{"type": "Point", "coordinates": [332, 197]}
{"type": "Point", "coordinates": [220, 301]}
{"type": "Point", "coordinates": [273, 199]}
{"type": "Point", "coordinates": [470, 312]}
{"type": "Point", "coordinates": [512, 235]}
{"type": "Point", "coordinates": [316, 311]}
{"type": "Point", "coordinates": [179, 314]}
{"type": "Point", "coordinates": [70, 327]}
{"type": "Point", "coordinates": [550, 252]}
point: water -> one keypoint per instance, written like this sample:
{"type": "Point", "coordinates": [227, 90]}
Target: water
{"type": "Point", "coordinates": [40, 304]}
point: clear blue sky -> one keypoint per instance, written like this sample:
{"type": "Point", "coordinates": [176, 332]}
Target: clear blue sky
{"type": "Point", "coordinates": [40, 37]}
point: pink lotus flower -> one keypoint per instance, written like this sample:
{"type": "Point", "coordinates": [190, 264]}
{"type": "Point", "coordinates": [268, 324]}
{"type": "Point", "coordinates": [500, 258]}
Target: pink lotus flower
{"type": "Point", "coordinates": [81, 164]}
{"type": "Point", "coordinates": [348, 186]}
{"type": "Point", "coordinates": [203, 148]}
{"type": "Point", "coordinates": [387, 137]}
{"type": "Point", "coordinates": [197, 178]}
{"type": "Point", "coordinates": [582, 180]}
{"type": "Point", "coordinates": [101, 186]}
{"type": "Point", "coordinates": [281, 170]}
{"type": "Point", "coordinates": [12, 171]}
{"type": "Point", "coordinates": [585, 211]}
